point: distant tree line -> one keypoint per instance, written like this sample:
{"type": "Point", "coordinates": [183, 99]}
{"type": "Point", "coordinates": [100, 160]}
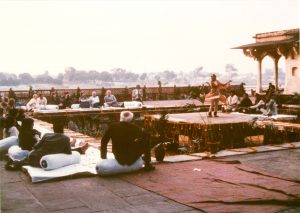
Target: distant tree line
{"type": "Point", "coordinates": [8, 79]}
{"type": "Point", "coordinates": [118, 76]}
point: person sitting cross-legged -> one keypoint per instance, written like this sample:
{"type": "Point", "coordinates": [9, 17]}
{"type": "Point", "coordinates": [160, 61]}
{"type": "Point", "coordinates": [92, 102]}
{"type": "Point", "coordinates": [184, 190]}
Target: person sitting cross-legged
{"type": "Point", "coordinates": [110, 99]}
{"type": "Point", "coordinates": [51, 143]}
{"type": "Point", "coordinates": [129, 142]}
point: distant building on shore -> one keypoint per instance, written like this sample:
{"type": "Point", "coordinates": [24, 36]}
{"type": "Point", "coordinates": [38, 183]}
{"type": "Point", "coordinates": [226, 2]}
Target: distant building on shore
{"type": "Point", "coordinates": [277, 44]}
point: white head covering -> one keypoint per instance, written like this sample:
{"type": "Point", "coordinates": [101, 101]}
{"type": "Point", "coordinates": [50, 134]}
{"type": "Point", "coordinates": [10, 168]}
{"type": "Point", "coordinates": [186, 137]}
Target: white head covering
{"type": "Point", "coordinates": [126, 116]}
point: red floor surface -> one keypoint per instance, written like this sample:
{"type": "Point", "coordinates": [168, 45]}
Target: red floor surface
{"type": "Point", "coordinates": [219, 187]}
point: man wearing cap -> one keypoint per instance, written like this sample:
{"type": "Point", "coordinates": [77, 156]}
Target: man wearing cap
{"type": "Point", "coordinates": [129, 142]}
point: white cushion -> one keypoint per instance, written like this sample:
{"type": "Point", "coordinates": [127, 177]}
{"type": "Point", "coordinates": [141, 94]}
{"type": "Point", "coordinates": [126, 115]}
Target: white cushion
{"type": "Point", "coordinates": [48, 107]}
{"type": "Point", "coordinates": [16, 153]}
{"type": "Point", "coordinates": [54, 161]}
{"type": "Point", "coordinates": [6, 143]}
{"type": "Point", "coordinates": [112, 167]}
{"type": "Point", "coordinates": [75, 106]}
{"type": "Point", "coordinates": [132, 104]}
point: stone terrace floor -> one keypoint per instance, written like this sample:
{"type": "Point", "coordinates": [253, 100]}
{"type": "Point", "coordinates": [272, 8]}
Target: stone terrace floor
{"type": "Point", "coordinates": [95, 194]}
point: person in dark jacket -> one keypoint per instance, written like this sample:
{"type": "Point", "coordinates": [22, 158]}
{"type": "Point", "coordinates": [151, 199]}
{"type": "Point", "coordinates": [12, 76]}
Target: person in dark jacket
{"type": "Point", "coordinates": [129, 142]}
{"type": "Point", "coordinates": [245, 103]}
{"type": "Point", "coordinates": [28, 136]}
{"type": "Point", "coordinates": [51, 143]}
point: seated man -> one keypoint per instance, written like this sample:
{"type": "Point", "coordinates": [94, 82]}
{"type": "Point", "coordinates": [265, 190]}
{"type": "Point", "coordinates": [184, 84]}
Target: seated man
{"type": "Point", "coordinates": [259, 103]}
{"type": "Point", "coordinates": [137, 94]}
{"type": "Point", "coordinates": [270, 108]}
{"type": "Point", "coordinates": [54, 99]}
{"type": "Point", "coordinates": [33, 103]}
{"type": "Point", "coordinates": [51, 143]}
{"type": "Point", "coordinates": [83, 101]}
{"type": "Point", "coordinates": [231, 102]}
{"type": "Point", "coordinates": [65, 101]}
{"type": "Point", "coordinates": [94, 100]}
{"type": "Point", "coordinates": [110, 99]}
{"type": "Point", "coordinates": [42, 99]}
{"type": "Point", "coordinates": [129, 142]}
{"type": "Point", "coordinates": [245, 103]}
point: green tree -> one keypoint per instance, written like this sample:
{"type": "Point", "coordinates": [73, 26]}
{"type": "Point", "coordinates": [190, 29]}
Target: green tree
{"type": "Point", "coordinates": [11, 94]}
{"type": "Point", "coordinates": [30, 92]}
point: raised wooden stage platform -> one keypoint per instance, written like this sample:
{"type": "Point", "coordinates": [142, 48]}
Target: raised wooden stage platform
{"type": "Point", "coordinates": [94, 121]}
{"type": "Point", "coordinates": [228, 130]}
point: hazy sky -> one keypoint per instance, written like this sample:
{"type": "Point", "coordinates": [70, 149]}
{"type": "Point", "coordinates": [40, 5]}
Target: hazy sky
{"type": "Point", "coordinates": [140, 36]}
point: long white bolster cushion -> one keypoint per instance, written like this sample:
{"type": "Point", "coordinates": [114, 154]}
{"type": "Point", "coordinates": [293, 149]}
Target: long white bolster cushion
{"type": "Point", "coordinates": [6, 143]}
{"type": "Point", "coordinates": [111, 167]}
{"type": "Point", "coordinates": [48, 107]}
{"type": "Point", "coordinates": [132, 104]}
{"type": "Point", "coordinates": [55, 161]}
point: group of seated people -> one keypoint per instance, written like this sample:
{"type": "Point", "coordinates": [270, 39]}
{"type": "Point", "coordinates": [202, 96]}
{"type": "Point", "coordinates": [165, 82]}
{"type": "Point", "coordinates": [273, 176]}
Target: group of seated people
{"type": "Point", "coordinates": [263, 104]}
{"type": "Point", "coordinates": [38, 101]}
{"type": "Point", "coordinates": [25, 146]}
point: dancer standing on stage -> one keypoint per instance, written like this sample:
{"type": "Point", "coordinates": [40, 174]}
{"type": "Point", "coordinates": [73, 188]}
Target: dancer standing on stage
{"type": "Point", "coordinates": [215, 95]}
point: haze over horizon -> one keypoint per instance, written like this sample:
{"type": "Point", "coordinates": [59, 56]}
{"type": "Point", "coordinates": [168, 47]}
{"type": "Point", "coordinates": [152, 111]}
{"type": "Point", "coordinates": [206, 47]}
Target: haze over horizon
{"type": "Point", "coordinates": [139, 36]}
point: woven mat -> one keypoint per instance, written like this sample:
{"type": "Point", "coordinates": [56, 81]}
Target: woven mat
{"type": "Point", "coordinates": [213, 186]}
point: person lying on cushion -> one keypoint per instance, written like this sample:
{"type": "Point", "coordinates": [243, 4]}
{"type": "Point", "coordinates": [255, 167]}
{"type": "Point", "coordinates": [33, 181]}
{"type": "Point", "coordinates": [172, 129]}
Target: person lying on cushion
{"type": "Point", "coordinates": [129, 142]}
{"type": "Point", "coordinates": [51, 143]}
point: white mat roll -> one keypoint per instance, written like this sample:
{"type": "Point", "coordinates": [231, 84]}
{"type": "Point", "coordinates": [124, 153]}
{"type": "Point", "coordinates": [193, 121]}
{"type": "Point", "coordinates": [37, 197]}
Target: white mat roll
{"type": "Point", "coordinates": [6, 143]}
{"type": "Point", "coordinates": [75, 106]}
{"type": "Point", "coordinates": [55, 161]}
{"type": "Point", "coordinates": [132, 104]}
{"type": "Point", "coordinates": [48, 107]}
{"type": "Point", "coordinates": [112, 167]}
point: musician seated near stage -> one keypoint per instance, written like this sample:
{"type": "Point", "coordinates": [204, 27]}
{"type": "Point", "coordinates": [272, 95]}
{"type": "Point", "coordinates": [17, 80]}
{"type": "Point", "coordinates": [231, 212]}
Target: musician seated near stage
{"type": "Point", "coordinates": [231, 102]}
{"type": "Point", "coordinates": [245, 103]}
{"type": "Point", "coordinates": [270, 108]}
{"type": "Point", "coordinates": [129, 142]}
{"type": "Point", "coordinates": [94, 100]}
{"type": "Point", "coordinates": [110, 100]}
{"type": "Point", "coordinates": [259, 104]}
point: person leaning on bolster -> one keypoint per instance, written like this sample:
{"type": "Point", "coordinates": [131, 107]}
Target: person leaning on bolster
{"type": "Point", "coordinates": [214, 95]}
{"type": "Point", "coordinates": [129, 142]}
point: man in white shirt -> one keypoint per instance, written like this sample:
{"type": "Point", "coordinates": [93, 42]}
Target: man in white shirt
{"type": "Point", "coordinates": [33, 103]}
{"type": "Point", "coordinates": [94, 100]}
{"type": "Point", "coordinates": [231, 102]}
{"type": "Point", "coordinates": [42, 99]}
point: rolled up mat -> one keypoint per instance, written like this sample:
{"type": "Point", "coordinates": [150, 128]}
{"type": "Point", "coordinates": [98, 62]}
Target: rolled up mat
{"type": "Point", "coordinates": [132, 104]}
{"type": "Point", "coordinates": [16, 153]}
{"type": "Point", "coordinates": [55, 161]}
{"type": "Point", "coordinates": [75, 106]}
{"type": "Point", "coordinates": [111, 167]}
{"type": "Point", "coordinates": [48, 107]}
{"type": "Point", "coordinates": [6, 143]}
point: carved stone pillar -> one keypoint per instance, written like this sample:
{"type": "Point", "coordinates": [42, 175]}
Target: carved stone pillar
{"type": "Point", "coordinates": [276, 72]}
{"type": "Point", "coordinates": [259, 76]}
